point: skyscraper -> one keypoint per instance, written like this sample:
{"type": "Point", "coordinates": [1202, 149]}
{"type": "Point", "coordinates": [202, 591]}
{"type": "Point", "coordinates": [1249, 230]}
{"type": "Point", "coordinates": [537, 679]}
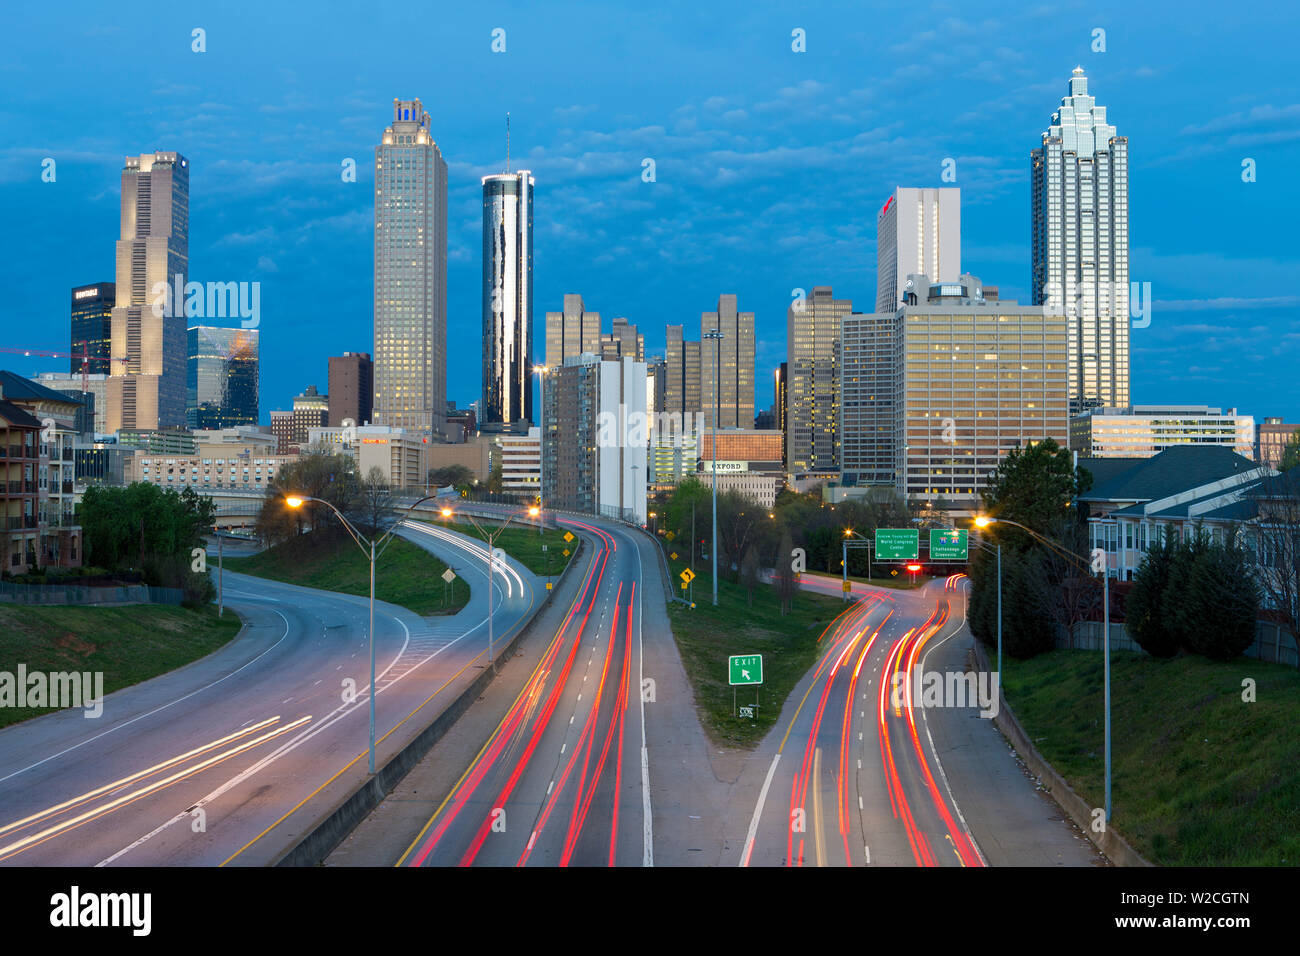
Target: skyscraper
{"type": "Point", "coordinates": [146, 387]}
{"type": "Point", "coordinates": [92, 326]}
{"type": "Point", "coordinates": [624, 342]}
{"type": "Point", "coordinates": [733, 357]}
{"type": "Point", "coordinates": [1080, 243]}
{"type": "Point", "coordinates": [918, 232]}
{"type": "Point", "coordinates": [410, 365]}
{"type": "Point", "coordinates": [221, 377]}
{"type": "Point", "coordinates": [507, 299]}
{"type": "Point", "coordinates": [352, 385]}
{"type": "Point", "coordinates": [681, 374]}
{"type": "Point", "coordinates": [571, 331]}
{"type": "Point", "coordinates": [813, 344]}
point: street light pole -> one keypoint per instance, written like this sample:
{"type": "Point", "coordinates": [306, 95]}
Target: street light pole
{"type": "Point", "coordinates": [983, 522]}
{"type": "Point", "coordinates": [716, 336]}
{"type": "Point", "coordinates": [367, 547]}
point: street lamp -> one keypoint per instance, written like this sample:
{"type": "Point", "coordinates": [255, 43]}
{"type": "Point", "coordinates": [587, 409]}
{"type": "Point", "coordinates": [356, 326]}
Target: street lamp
{"type": "Point", "coordinates": [367, 547]}
{"type": "Point", "coordinates": [716, 335]}
{"type": "Point", "coordinates": [844, 551]}
{"type": "Point", "coordinates": [983, 521]}
{"type": "Point", "coordinates": [533, 512]}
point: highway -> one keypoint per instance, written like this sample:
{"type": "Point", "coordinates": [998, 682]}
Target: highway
{"type": "Point", "coordinates": [855, 779]}
{"type": "Point", "coordinates": [231, 759]}
{"type": "Point", "coordinates": [564, 779]}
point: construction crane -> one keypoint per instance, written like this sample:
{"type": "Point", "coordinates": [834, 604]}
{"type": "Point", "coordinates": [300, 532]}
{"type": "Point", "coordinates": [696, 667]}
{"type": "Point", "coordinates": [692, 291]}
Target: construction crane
{"type": "Point", "coordinates": [84, 355]}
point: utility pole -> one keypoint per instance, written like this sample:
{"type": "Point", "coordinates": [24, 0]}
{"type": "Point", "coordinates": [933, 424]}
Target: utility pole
{"type": "Point", "coordinates": [716, 336]}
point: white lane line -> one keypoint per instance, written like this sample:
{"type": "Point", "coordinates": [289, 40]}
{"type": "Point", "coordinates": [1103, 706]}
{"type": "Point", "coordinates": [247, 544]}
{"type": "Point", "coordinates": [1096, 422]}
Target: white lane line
{"type": "Point", "coordinates": [127, 723]}
{"type": "Point", "coordinates": [926, 721]}
{"type": "Point", "coordinates": [758, 812]}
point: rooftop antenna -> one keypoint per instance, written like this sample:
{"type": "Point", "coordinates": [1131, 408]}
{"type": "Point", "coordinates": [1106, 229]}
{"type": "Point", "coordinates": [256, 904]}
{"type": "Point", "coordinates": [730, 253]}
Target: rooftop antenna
{"type": "Point", "coordinates": [507, 142]}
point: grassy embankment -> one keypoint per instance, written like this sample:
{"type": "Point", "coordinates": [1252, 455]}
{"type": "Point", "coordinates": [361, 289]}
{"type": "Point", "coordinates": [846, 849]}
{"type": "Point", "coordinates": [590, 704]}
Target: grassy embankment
{"type": "Point", "coordinates": [405, 574]}
{"type": "Point", "coordinates": [128, 644]}
{"type": "Point", "coordinates": [1200, 777]}
{"type": "Point", "coordinates": [707, 636]}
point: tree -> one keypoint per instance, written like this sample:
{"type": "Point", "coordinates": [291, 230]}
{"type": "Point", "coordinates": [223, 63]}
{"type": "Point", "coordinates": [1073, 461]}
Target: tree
{"type": "Point", "coordinates": [737, 518]}
{"type": "Point", "coordinates": [749, 572]}
{"type": "Point", "coordinates": [495, 479]}
{"type": "Point", "coordinates": [1276, 533]}
{"type": "Point", "coordinates": [324, 476]}
{"type": "Point", "coordinates": [1035, 486]}
{"type": "Point", "coordinates": [144, 528]}
{"type": "Point", "coordinates": [454, 476]}
{"type": "Point", "coordinates": [1144, 610]}
{"type": "Point", "coordinates": [1226, 602]}
{"type": "Point", "coordinates": [1290, 453]}
{"type": "Point", "coordinates": [1180, 604]}
{"type": "Point", "coordinates": [375, 503]}
{"type": "Point", "coordinates": [783, 577]}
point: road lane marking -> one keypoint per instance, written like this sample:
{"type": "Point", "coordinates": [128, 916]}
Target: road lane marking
{"type": "Point", "coordinates": [758, 811]}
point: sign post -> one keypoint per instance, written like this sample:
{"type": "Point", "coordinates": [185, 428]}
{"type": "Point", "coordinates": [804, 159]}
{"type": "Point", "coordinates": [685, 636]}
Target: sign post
{"type": "Point", "coordinates": [744, 670]}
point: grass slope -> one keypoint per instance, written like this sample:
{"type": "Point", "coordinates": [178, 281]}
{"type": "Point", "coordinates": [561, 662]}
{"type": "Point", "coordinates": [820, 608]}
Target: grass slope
{"type": "Point", "coordinates": [128, 644]}
{"type": "Point", "coordinates": [707, 636]}
{"type": "Point", "coordinates": [405, 574]}
{"type": "Point", "coordinates": [1200, 777]}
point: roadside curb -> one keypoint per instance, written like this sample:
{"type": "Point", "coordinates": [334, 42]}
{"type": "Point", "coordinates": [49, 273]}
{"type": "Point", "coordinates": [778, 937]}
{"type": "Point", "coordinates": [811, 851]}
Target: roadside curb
{"type": "Point", "coordinates": [331, 829]}
{"type": "Point", "coordinates": [1116, 849]}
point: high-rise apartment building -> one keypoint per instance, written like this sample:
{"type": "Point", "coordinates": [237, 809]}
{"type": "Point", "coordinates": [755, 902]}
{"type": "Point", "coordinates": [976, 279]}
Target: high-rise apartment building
{"type": "Point", "coordinates": [1080, 243]}
{"type": "Point", "coordinates": [866, 403]}
{"type": "Point", "coordinates": [146, 388]}
{"type": "Point", "coordinates": [351, 385]}
{"type": "Point", "coordinates": [918, 232]}
{"type": "Point", "coordinates": [221, 377]}
{"type": "Point", "coordinates": [410, 363]}
{"type": "Point", "coordinates": [92, 327]}
{"type": "Point", "coordinates": [731, 359]}
{"type": "Point", "coordinates": [507, 300]}
{"type": "Point", "coordinates": [594, 454]}
{"type": "Point", "coordinates": [813, 359]}
{"type": "Point", "coordinates": [571, 331]}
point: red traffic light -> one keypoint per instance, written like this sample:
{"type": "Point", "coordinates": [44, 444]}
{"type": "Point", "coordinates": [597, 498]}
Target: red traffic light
{"type": "Point", "coordinates": [914, 567]}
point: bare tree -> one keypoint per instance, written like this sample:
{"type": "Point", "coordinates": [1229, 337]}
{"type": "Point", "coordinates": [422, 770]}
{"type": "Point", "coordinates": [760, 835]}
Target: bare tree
{"type": "Point", "coordinates": [1277, 534]}
{"type": "Point", "coordinates": [749, 573]}
{"type": "Point", "coordinates": [375, 504]}
{"type": "Point", "coordinates": [783, 577]}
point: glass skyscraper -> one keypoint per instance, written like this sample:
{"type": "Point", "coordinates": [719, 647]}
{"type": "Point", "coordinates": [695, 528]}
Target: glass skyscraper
{"type": "Point", "coordinates": [410, 370]}
{"type": "Point", "coordinates": [507, 299]}
{"type": "Point", "coordinates": [92, 326]}
{"type": "Point", "coordinates": [221, 380]}
{"type": "Point", "coordinates": [1080, 244]}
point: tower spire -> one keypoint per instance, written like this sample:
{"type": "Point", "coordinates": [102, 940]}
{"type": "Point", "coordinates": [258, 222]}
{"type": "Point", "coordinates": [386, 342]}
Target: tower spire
{"type": "Point", "coordinates": [507, 142]}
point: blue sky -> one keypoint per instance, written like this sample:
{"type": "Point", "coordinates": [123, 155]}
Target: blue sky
{"type": "Point", "coordinates": [771, 165]}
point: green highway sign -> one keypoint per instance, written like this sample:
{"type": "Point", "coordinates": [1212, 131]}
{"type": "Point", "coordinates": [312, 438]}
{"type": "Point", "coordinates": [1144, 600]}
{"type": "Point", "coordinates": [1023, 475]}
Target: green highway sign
{"type": "Point", "coordinates": [745, 668]}
{"type": "Point", "coordinates": [949, 544]}
{"type": "Point", "coordinates": [897, 544]}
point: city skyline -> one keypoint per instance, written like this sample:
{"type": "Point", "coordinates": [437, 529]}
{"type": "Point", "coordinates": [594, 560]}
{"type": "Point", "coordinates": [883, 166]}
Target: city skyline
{"type": "Point", "coordinates": [619, 238]}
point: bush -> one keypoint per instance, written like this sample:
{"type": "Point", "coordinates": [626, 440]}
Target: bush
{"type": "Point", "coordinates": [1226, 603]}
